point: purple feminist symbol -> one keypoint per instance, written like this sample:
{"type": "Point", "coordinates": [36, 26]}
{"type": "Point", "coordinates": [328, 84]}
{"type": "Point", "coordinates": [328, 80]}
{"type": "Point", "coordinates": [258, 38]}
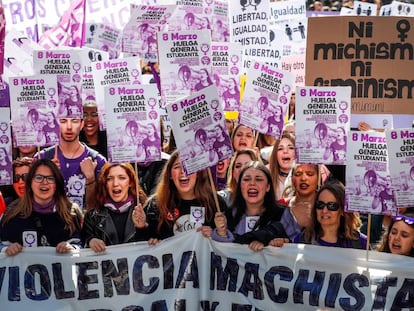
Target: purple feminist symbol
{"type": "Point", "coordinates": [51, 91]}
{"type": "Point", "coordinates": [135, 74]}
{"type": "Point", "coordinates": [204, 48]}
{"type": "Point", "coordinates": [3, 126]}
{"type": "Point", "coordinates": [234, 59]}
{"type": "Point", "coordinates": [76, 67]}
{"type": "Point", "coordinates": [214, 104]}
{"type": "Point", "coordinates": [343, 105]}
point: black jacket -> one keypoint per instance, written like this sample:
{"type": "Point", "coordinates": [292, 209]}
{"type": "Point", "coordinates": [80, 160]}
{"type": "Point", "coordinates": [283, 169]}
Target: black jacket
{"type": "Point", "coordinates": [99, 224]}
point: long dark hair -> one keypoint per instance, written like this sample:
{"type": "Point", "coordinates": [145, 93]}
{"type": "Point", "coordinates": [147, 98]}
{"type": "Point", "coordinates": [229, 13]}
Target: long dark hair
{"type": "Point", "coordinates": [64, 207]}
{"type": "Point", "coordinates": [239, 203]}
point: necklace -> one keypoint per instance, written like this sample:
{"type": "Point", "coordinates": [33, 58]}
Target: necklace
{"type": "Point", "coordinates": [72, 156]}
{"type": "Point", "coordinates": [283, 174]}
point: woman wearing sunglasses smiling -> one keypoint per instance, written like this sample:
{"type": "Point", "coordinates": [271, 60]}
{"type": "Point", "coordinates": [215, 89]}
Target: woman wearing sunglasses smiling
{"type": "Point", "coordinates": [331, 226]}
{"type": "Point", "coordinates": [399, 238]}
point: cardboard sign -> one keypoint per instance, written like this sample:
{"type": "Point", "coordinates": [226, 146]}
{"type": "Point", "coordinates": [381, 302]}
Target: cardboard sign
{"type": "Point", "coordinates": [373, 55]}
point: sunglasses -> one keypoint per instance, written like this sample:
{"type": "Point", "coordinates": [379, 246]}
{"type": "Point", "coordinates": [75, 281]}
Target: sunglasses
{"type": "Point", "coordinates": [331, 206]}
{"type": "Point", "coordinates": [17, 177]}
{"type": "Point", "coordinates": [406, 219]}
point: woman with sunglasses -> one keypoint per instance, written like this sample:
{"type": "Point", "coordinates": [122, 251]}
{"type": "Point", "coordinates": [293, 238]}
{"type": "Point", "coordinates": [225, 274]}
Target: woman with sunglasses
{"type": "Point", "coordinates": [44, 216]}
{"type": "Point", "coordinates": [399, 238]}
{"type": "Point", "coordinates": [21, 167]}
{"type": "Point", "coordinates": [330, 224]}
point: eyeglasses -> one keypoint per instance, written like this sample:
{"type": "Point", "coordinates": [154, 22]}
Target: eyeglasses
{"type": "Point", "coordinates": [332, 206]}
{"type": "Point", "coordinates": [17, 177]}
{"type": "Point", "coordinates": [40, 178]}
{"type": "Point", "coordinates": [406, 219]}
{"type": "Point", "coordinates": [92, 115]}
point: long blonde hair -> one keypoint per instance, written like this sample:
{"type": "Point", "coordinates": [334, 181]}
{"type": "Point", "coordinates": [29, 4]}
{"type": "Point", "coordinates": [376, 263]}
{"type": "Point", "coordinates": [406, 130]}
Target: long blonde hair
{"type": "Point", "coordinates": [274, 166]}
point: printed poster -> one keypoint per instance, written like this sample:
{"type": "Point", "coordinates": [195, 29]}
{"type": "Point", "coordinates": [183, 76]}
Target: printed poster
{"type": "Point", "coordinates": [368, 179]}
{"type": "Point", "coordinates": [380, 79]}
{"type": "Point", "coordinates": [191, 15]}
{"type": "Point", "coordinates": [362, 8]}
{"type": "Point", "coordinates": [198, 120]}
{"type": "Point", "coordinates": [226, 61]}
{"type": "Point", "coordinates": [288, 27]}
{"type": "Point", "coordinates": [123, 71]}
{"type": "Point", "coordinates": [89, 57]}
{"type": "Point", "coordinates": [133, 120]}
{"type": "Point", "coordinates": [221, 28]}
{"type": "Point", "coordinates": [249, 25]}
{"type": "Point", "coordinates": [295, 64]}
{"type": "Point", "coordinates": [401, 163]}
{"type": "Point", "coordinates": [104, 38]}
{"type": "Point", "coordinates": [34, 110]}
{"type": "Point", "coordinates": [324, 117]}
{"type": "Point", "coordinates": [185, 59]}
{"type": "Point", "coordinates": [266, 99]}
{"type": "Point", "coordinates": [18, 54]}
{"type": "Point", "coordinates": [6, 169]}
{"type": "Point", "coordinates": [140, 33]}
{"type": "Point", "coordinates": [67, 66]}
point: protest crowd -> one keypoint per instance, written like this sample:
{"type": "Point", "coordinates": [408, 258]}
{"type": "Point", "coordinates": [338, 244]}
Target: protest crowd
{"type": "Point", "coordinates": [71, 191]}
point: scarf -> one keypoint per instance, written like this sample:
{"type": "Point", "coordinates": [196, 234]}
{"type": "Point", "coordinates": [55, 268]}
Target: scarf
{"type": "Point", "coordinates": [48, 208]}
{"type": "Point", "coordinates": [120, 207]}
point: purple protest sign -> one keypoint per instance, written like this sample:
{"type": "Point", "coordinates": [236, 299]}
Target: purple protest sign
{"type": "Point", "coordinates": [67, 66]}
{"type": "Point", "coordinates": [226, 62]}
{"type": "Point", "coordinates": [266, 98]}
{"type": "Point", "coordinates": [34, 109]}
{"type": "Point", "coordinates": [140, 34]}
{"type": "Point", "coordinates": [368, 180]}
{"type": "Point", "coordinates": [133, 123]}
{"type": "Point", "coordinates": [105, 38]}
{"type": "Point", "coordinates": [5, 147]}
{"type": "Point", "coordinates": [220, 21]}
{"type": "Point", "coordinates": [400, 143]}
{"type": "Point", "coordinates": [198, 120]}
{"type": "Point", "coordinates": [185, 59]}
{"type": "Point", "coordinates": [111, 73]}
{"type": "Point", "coordinates": [191, 15]}
{"type": "Point", "coordinates": [324, 117]}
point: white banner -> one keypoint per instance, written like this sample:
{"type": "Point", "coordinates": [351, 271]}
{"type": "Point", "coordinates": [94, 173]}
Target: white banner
{"type": "Point", "coordinates": [190, 272]}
